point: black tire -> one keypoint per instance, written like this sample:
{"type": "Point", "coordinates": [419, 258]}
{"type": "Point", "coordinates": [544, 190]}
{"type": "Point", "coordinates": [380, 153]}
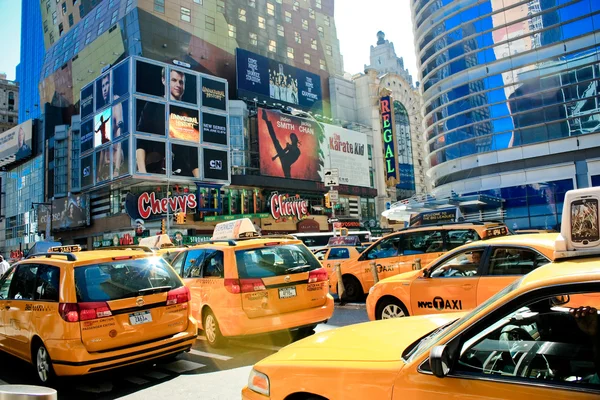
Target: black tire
{"type": "Point", "coordinates": [214, 337]}
{"type": "Point", "coordinates": [353, 290]}
{"type": "Point", "coordinates": [42, 365]}
{"type": "Point", "coordinates": [390, 307]}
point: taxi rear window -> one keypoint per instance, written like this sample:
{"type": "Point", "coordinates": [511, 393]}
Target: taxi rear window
{"type": "Point", "coordinates": [124, 279]}
{"type": "Point", "coordinates": [274, 261]}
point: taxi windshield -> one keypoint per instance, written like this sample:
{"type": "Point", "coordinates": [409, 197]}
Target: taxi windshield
{"type": "Point", "coordinates": [274, 261]}
{"type": "Point", "coordinates": [424, 343]}
{"type": "Point", "coordinates": [123, 279]}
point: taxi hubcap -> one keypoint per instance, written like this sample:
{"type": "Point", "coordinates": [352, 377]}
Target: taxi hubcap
{"type": "Point", "coordinates": [42, 364]}
{"type": "Point", "coordinates": [210, 328]}
{"type": "Point", "coordinates": [392, 311]}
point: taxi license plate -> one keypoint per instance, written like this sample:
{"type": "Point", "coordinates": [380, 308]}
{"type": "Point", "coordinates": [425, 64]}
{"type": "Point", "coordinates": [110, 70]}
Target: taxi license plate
{"type": "Point", "coordinates": [140, 317]}
{"type": "Point", "coordinates": [287, 292]}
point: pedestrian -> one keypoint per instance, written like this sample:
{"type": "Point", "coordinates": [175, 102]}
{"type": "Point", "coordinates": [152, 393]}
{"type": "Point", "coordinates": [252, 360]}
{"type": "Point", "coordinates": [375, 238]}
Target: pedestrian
{"type": "Point", "coordinates": [4, 266]}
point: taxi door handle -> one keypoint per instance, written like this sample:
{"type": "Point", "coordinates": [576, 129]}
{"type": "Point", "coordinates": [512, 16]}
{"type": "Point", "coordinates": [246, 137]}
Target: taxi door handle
{"type": "Point", "coordinates": [467, 286]}
{"type": "Point", "coordinates": [7, 307]}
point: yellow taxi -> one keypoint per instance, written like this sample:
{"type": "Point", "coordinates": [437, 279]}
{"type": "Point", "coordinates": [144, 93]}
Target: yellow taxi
{"type": "Point", "coordinates": [342, 250]}
{"type": "Point", "coordinates": [409, 249]}
{"type": "Point", "coordinates": [538, 338]}
{"type": "Point", "coordinates": [161, 245]}
{"type": "Point", "coordinates": [462, 278]}
{"type": "Point", "coordinates": [243, 284]}
{"type": "Point", "coordinates": [71, 313]}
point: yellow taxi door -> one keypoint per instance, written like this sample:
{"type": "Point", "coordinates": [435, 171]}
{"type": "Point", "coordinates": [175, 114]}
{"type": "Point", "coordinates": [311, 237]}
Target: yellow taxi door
{"type": "Point", "coordinates": [386, 256]}
{"type": "Point", "coordinates": [449, 286]}
{"type": "Point", "coordinates": [19, 309]}
{"type": "Point", "coordinates": [188, 265]}
{"type": "Point", "coordinates": [4, 289]}
{"type": "Point", "coordinates": [418, 249]}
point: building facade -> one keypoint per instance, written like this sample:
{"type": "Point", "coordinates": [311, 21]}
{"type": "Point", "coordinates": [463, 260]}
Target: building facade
{"type": "Point", "coordinates": [9, 103]}
{"type": "Point", "coordinates": [32, 58]}
{"type": "Point", "coordinates": [510, 100]}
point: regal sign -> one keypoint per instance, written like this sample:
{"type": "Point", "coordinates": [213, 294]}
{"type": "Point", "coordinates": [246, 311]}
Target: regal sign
{"type": "Point", "coordinates": [286, 206]}
{"type": "Point", "coordinates": [147, 206]}
{"type": "Point", "coordinates": [389, 141]}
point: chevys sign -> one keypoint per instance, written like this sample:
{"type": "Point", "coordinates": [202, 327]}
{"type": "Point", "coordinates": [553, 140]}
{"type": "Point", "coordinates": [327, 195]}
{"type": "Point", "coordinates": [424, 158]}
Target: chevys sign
{"type": "Point", "coordinates": [148, 206]}
{"type": "Point", "coordinates": [286, 206]}
{"type": "Point", "coordinates": [389, 141]}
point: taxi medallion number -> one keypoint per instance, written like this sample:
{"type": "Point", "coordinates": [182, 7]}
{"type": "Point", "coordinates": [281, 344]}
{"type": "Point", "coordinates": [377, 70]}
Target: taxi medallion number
{"type": "Point", "coordinates": [287, 292]}
{"type": "Point", "coordinates": [138, 318]}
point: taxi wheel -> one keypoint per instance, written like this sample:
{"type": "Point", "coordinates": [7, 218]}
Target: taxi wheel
{"type": "Point", "coordinates": [43, 365]}
{"type": "Point", "coordinates": [352, 289]}
{"type": "Point", "coordinates": [214, 337]}
{"type": "Point", "coordinates": [391, 308]}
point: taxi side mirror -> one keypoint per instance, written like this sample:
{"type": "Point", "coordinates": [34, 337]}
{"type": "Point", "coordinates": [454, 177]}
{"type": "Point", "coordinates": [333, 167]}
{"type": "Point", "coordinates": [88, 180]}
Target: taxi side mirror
{"type": "Point", "coordinates": [560, 300]}
{"type": "Point", "coordinates": [439, 361]}
{"type": "Point", "coordinates": [426, 273]}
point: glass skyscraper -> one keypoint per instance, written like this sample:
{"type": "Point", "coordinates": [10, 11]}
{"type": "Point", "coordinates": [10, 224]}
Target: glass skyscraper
{"type": "Point", "coordinates": [511, 100]}
{"type": "Point", "coordinates": [32, 59]}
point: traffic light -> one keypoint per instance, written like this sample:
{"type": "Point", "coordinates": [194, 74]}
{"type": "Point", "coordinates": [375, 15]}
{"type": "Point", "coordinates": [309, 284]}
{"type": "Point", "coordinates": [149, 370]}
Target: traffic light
{"type": "Point", "coordinates": [327, 202]}
{"type": "Point", "coordinates": [181, 218]}
{"type": "Point", "coordinates": [163, 226]}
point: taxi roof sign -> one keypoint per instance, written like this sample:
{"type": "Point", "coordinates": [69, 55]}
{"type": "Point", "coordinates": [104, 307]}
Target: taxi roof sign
{"type": "Point", "coordinates": [156, 242]}
{"type": "Point", "coordinates": [580, 224]}
{"type": "Point", "coordinates": [65, 249]}
{"type": "Point", "coordinates": [237, 229]}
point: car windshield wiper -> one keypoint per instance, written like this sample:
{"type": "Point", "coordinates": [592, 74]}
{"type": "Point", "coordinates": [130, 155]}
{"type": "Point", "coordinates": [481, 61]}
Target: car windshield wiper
{"type": "Point", "coordinates": [153, 290]}
{"type": "Point", "coordinates": [298, 269]}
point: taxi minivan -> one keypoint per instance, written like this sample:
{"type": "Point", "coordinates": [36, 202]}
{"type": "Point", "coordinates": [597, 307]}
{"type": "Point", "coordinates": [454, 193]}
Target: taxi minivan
{"type": "Point", "coordinates": [538, 338]}
{"type": "Point", "coordinates": [408, 249]}
{"type": "Point", "coordinates": [72, 313]}
{"type": "Point", "coordinates": [243, 284]}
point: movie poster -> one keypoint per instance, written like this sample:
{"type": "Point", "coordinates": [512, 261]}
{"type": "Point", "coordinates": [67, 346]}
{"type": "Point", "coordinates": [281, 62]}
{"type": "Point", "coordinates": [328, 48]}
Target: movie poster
{"type": "Point", "coordinates": [183, 124]}
{"type": "Point", "coordinates": [70, 212]}
{"type": "Point", "coordinates": [289, 147]}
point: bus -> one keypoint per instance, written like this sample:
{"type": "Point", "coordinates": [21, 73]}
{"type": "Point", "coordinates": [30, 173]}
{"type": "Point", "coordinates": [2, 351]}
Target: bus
{"type": "Point", "coordinates": [317, 240]}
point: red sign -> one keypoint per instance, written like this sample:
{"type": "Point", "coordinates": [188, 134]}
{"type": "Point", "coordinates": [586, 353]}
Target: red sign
{"type": "Point", "coordinates": [148, 204]}
{"type": "Point", "coordinates": [284, 205]}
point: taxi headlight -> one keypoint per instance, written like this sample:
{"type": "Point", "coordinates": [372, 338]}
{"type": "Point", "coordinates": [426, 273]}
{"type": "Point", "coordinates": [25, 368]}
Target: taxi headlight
{"type": "Point", "coordinates": [259, 382]}
{"type": "Point", "coordinates": [371, 289]}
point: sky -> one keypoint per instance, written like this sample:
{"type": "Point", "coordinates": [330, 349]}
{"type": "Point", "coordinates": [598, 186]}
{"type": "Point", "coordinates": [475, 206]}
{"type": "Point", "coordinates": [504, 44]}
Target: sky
{"type": "Point", "coordinates": [357, 23]}
{"type": "Point", "coordinates": [10, 32]}
{"type": "Point", "coordinates": [356, 35]}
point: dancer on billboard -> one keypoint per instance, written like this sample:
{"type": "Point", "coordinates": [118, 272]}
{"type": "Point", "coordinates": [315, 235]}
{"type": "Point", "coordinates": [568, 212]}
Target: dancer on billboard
{"type": "Point", "coordinates": [287, 156]}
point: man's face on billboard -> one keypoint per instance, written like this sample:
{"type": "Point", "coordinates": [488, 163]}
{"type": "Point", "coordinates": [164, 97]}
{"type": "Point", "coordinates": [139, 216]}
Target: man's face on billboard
{"type": "Point", "coordinates": [105, 87]}
{"type": "Point", "coordinates": [21, 137]}
{"type": "Point", "coordinates": [177, 85]}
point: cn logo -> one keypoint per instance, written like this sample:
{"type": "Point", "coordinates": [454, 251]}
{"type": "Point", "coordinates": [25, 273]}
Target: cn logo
{"type": "Point", "coordinates": [216, 164]}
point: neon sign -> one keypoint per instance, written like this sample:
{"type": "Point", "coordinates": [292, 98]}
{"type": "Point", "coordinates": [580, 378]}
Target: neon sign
{"type": "Point", "coordinates": [389, 141]}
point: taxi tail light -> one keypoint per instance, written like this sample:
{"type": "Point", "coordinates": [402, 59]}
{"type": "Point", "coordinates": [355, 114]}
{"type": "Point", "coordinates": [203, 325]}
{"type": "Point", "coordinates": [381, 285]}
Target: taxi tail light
{"type": "Point", "coordinates": [237, 286]}
{"type": "Point", "coordinates": [69, 312]}
{"type": "Point", "coordinates": [317, 275]}
{"type": "Point", "coordinates": [178, 296]}
{"type": "Point", "coordinates": [93, 310]}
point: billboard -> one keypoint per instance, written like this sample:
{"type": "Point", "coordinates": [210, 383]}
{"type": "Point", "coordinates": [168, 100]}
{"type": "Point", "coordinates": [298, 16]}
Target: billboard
{"type": "Point", "coordinates": [15, 143]}
{"type": "Point", "coordinates": [87, 136]}
{"type": "Point", "coordinates": [102, 91]}
{"type": "Point", "coordinates": [184, 161]}
{"type": "Point", "coordinates": [150, 79]}
{"type": "Point", "coordinates": [87, 101]}
{"type": "Point", "coordinates": [150, 157]}
{"type": "Point", "coordinates": [214, 129]}
{"type": "Point", "coordinates": [216, 164]}
{"type": "Point", "coordinates": [214, 94]}
{"type": "Point", "coordinates": [389, 141]}
{"type": "Point", "coordinates": [103, 127]}
{"type": "Point", "coordinates": [183, 124]}
{"type": "Point", "coordinates": [182, 87]}
{"type": "Point", "coordinates": [346, 150]}
{"type": "Point", "coordinates": [277, 82]}
{"type": "Point", "coordinates": [87, 173]}
{"type": "Point", "coordinates": [69, 213]}
{"type": "Point", "coordinates": [150, 117]}
{"type": "Point", "coordinates": [289, 147]}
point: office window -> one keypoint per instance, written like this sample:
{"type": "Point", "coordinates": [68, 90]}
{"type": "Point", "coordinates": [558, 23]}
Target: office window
{"type": "Point", "coordinates": [81, 11]}
{"type": "Point", "coordinates": [311, 13]}
{"type": "Point", "coordinates": [114, 16]}
{"type": "Point", "coordinates": [232, 31]}
{"type": "Point", "coordinates": [313, 44]}
{"type": "Point", "coordinates": [47, 5]}
{"type": "Point", "coordinates": [186, 14]}
{"type": "Point", "coordinates": [98, 12]}
{"type": "Point", "coordinates": [88, 38]}
{"type": "Point", "coordinates": [111, 3]}
{"type": "Point", "coordinates": [159, 6]}
{"type": "Point", "coordinates": [252, 3]}
{"type": "Point", "coordinates": [45, 26]}
{"type": "Point", "coordinates": [288, 17]}
{"type": "Point", "coordinates": [199, 2]}
{"type": "Point", "coordinates": [305, 24]}
{"type": "Point", "coordinates": [327, 21]}
{"type": "Point", "coordinates": [322, 64]}
{"type": "Point", "coordinates": [270, 9]}
{"type": "Point", "coordinates": [253, 39]}
{"type": "Point", "coordinates": [242, 14]}
{"type": "Point", "coordinates": [209, 23]}
{"type": "Point", "coordinates": [128, 6]}
{"type": "Point", "coordinates": [51, 37]}
{"type": "Point", "coordinates": [53, 17]}
{"type": "Point", "coordinates": [76, 49]}
{"type": "Point", "coordinates": [290, 52]}
{"type": "Point", "coordinates": [70, 21]}
{"type": "Point", "coordinates": [318, 4]}
{"type": "Point", "coordinates": [100, 28]}
{"type": "Point", "coordinates": [64, 8]}
{"type": "Point", "coordinates": [306, 58]}
{"type": "Point", "coordinates": [296, 5]}
{"type": "Point", "coordinates": [328, 50]}
{"type": "Point", "coordinates": [66, 56]}
{"type": "Point", "coordinates": [321, 31]}
{"type": "Point", "coordinates": [221, 6]}
{"type": "Point", "coordinates": [272, 46]}
{"type": "Point", "coordinates": [60, 29]}
{"type": "Point", "coordinates": [298, 37]}
{"type": "Point", "coordinates": [280, 30]}
{"type": "Point", "coordinates": [279, 1]}
{"type": "Point", "coordinates": [261, 22]}
{"type": "Point", "coordinates": [86, 22]}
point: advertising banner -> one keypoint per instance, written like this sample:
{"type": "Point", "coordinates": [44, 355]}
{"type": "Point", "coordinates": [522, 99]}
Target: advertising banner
{"type": "Point", "coordinates": [69, 213]}
{"type": "Point", "coordinates": [182, 87]}
{"type": "Point", "coordinates": [87, 175]}
{"type": "Point", "coordinates": [274, 81]}
{"type": "Point", "coordinates": [184, 161]}
{"type": "Point", "coordinates": [102, 91]}
{"type": "Point", "coordinates": [289, 147]}
{"type": "Point", "coordinates": [87, 101]}
{"type": "Point", "coordinates": [214, 94]}
{"type": "Point", "coordinates": [214, 129]}
{"type": "Point", "coordinates": [435, 217]}
{"type": "Point", "coordinates": [150, 79]}
{"type": "Point", "coordinates": [150, 117]}
{"type": "Point", "coordinates": [15, 143]}
{"type": "Point", "coordinates": [103, 127]}
{"type": "Point", "coordinates": [346, 150]}
{"type": "Point", "coordinates": [87, 136]}
{"type": "Point", "coordinates": [183, 124]}
{"type": "Point", "coordinates": [150, 157]}
{"type": "Point", "coordinates": [216, 164]}
{"type": "Point", "coordinates": [120, 80]}
{"type": "Point", "coordinates": [389, 141]}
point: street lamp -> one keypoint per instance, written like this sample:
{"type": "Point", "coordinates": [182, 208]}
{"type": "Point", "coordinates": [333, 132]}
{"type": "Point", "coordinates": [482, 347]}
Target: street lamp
{"type": "Point", "coordinates": [48, 220]}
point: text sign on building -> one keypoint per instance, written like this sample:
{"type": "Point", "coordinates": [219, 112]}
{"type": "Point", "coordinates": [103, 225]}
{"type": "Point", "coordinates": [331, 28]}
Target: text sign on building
{"type": "Point", "coordinates": [288, 206]}
{"type": "Point", "coordinates": [147, 206]}
{"type": "Point", "coordinates": [389, 141]}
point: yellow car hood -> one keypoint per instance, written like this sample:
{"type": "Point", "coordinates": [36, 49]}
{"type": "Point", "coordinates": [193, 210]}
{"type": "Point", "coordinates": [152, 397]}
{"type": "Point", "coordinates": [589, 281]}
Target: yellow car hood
{"type": "Point", "coordinates": [406, 276]}
{"type": "Point", "coordinates": [377, 341]}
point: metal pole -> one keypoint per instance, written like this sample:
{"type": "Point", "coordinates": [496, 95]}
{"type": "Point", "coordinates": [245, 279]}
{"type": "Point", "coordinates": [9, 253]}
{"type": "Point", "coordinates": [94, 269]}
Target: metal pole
{"type": "Point", "coordinates": [168, 205]}
{"type": "Point", "coordinates": [332, 204]}
{"type": "Point", "coordinates": [374, 272]}
{"type": "Point", "coordinates": [340, 283]}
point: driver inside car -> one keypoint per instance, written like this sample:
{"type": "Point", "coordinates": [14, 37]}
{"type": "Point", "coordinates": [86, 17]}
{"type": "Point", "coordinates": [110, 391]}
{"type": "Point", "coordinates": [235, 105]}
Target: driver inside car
{"type": "Point", "coordinates": [467, 267]}
{"type": "Point", "coordinates": [588, 322]}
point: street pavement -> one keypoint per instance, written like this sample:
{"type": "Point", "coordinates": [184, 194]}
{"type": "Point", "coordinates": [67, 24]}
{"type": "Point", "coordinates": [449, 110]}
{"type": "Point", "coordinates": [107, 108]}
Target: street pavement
{"type": "Point", "coordinates": [204, 372]}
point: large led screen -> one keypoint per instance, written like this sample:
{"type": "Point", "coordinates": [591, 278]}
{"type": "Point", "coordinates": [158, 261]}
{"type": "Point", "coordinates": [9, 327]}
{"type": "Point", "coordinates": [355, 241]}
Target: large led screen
{"type": "Point", "coordinates": [216, 165]}
{"type": "Point", "coordinates": [213, 94]}
{"type": "Point", "coordinates": [150, 157]}
{"type": "Point", "coordinates": [184, 161]}
{"type": "Point", "coordinates": [120, 119]}
{"type": "Point", "coordinates": [150, 117]}
{"type": "Point", "coordinates": [120, 80]}
{"type": "Point", "coordinates": [120, 162]}
{"type": "Point", "coordinates": [87, 136]}
{"type": "Point", "coordinates": [214, 129]}
{"type": "Point", "coordinates": [103, 127]}
{"type": "Point", "coordinates": [102, 91]}
{"type": "Point", "coordinates": [150, 79]}
{"type": "Point", "coordinates": [183, 124]}
{"type": "Point", "coordinates": [87, 173]}
{"type": "Point", "coordinates": [87, 101]}
{"type": "Point", "coordinates": [182, 87]}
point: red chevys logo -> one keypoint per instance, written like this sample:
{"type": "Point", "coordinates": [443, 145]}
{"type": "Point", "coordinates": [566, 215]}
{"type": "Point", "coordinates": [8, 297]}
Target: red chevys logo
{"type": "Point", "coordinates": [148, 204]}
{"type": "Point", "coordinates": [284, 205]}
